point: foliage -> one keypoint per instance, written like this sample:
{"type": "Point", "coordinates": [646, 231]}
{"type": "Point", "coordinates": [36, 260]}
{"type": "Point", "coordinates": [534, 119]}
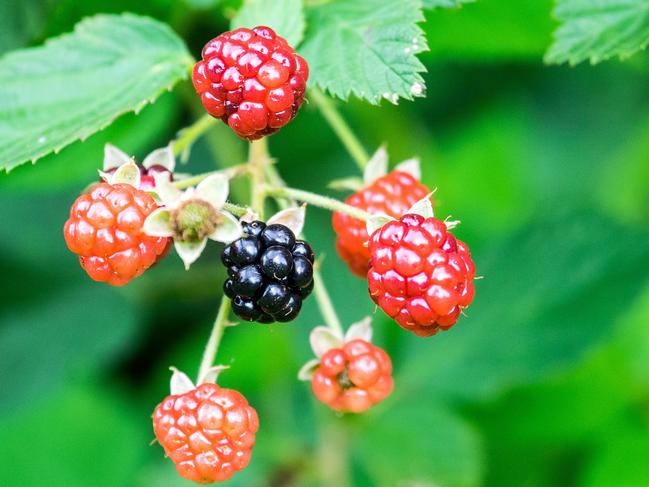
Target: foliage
{"type": "Point", "coordinates": [544, 382]}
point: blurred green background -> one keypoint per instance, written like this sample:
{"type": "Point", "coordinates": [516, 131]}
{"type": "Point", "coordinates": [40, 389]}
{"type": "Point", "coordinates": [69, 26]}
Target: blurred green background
{"type": "Point", "coordinates": [544, 383]}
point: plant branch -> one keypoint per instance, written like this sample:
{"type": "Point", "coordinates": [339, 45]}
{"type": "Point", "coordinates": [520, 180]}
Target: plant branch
{"type": "Point", "coordinates": [213, 342]}
{"type": "Point", "coordinates": [258, 159]}
{"type": "Point", "coordinates": [317, 200]}
{"type": "Point", "coordinates": [188, 135]}
{"type": "Point", "coordinates": [230, 172]}
{"type": "Point", "coordinates": [325, 304]}
{"type": "Point", "coordinates": [340, 127]}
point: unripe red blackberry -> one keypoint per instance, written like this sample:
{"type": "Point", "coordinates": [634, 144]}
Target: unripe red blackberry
{"type": "Point", "coordinates": [252, 79]}
{"type": "Point", "coordinates": [207, 432]}
{"type": "Point", "coordinates": [270, 273]}
{"type": "Point", "coordinates": [420, 274]}
{"type": "Point", "coordinates": [354, 377]}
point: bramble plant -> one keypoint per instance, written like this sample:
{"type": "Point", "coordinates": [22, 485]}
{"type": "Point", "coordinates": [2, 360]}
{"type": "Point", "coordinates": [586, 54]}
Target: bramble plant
{"type": "Point", "coordinates": [278, 56]}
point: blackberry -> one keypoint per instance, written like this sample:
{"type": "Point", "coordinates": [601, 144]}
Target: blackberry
{"type": "Point", "coordinates": [269, 273]}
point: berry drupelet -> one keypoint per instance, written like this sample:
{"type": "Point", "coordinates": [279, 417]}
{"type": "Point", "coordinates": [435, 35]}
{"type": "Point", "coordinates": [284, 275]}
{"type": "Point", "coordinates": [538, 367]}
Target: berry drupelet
{"type": "Point", "coordinates": [392, 194]}
{"type": "Point", "coordinates": [207, 432]}
{"type": "Point", "coordinates": [354, 377]}
{"type": "Point", "coordinates": [270, 273]}
{"type": "Point", "coordinates": [252, 80]}
{"type": "Point", "coordinates": [420, 274]}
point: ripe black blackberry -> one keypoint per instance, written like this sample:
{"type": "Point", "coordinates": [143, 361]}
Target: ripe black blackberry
{"type": "Point", "coordinates": [270, 273]}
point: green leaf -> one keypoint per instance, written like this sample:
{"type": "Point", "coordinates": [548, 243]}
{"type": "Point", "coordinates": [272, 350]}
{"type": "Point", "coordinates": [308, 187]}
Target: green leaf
{"type": "Point", "coordinates": [79, 436]}
{"type": "Point", "coordinates": [546, 299]}
{"type": "Point", "coordinates": [597, 31]}
{"type": "Point", "coordinates": [445, 3]}
{"type": "Point", "coordinates": [43, 345]}
{"type": "Point", "coordinates": [448, 449]}
{"type": "Point", "coordinates": [285, 17]}
{"type": "Point", "coordinates": [366, 48]}
{"type": "Point", "coordinates": [79, 83]}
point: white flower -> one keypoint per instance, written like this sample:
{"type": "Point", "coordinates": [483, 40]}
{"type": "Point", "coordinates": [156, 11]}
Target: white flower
{"type": "Point", "coordinates": [193, 216]}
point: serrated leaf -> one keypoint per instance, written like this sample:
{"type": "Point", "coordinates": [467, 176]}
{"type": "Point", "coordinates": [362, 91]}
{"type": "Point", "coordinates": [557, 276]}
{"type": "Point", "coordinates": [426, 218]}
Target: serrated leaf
{"type": "Point", "coordinates": [445, 3]}
{"type": "Point", "coordinates": [285, 17]}
{"type": "Point", "coordinates": [366, 48]}
{"type": "Point", "coordinates": [77, 84]}
{"type": "Point", "coordinates": [600, 30]}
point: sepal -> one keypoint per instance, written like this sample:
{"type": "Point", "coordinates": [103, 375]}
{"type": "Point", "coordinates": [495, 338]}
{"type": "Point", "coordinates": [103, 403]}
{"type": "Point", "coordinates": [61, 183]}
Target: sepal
{"type": "Point", "coordinates": [323, 339]}
{"type": "Point", "coordinates": [375, 222]}
{"type": "Point", "coordinates": [306, 371]}
{"type": "Point", "coordinates": [211, 375]}
{"type": "Point", "coordinates": [352, 183]}
{"type": "Point", "coordinates": [189, 251]}
{"type": "Point", "coordinates": [163, 156]}
{"type": "Point", "coordinates": [410, 166]}
{"type": "Point", "coordinates": [361, 330]}
{"type": "Point", "coordinates": [114, 157]}
{"type": "Point", "coordinates": [180, 383]}
{"type": "Point", "coordinates": [376, 167]}
{"type": "Point", "coordinates": [292, 218]}
{"type": "Point", "coordinates": [423, 207]}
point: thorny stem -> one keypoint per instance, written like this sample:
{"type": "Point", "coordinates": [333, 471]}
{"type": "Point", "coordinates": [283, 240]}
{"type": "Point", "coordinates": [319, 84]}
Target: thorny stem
{"type": "Point", "coordinates": [258, 159]}
{"type": "Point", "coordinates": [213, 342]}
{"type": "Point", "coordinates": [230, 172]}
{"type": "Point", "coordinates": [340, 127]}
{"type": "Point", "coordinates": [187, 136]}
{"type": "Point", "coordinates": [317, 200]}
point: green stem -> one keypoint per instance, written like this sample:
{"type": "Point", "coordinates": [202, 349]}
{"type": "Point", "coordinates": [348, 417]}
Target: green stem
{"type": "Point", "coordinates": [188, 135]}
{"type": "Point", "coordinates": [340, 127]}
{"type": "Point", "coordinates": [230, 172]}
{"type": "Point", "coordinates": [317, 200]}
{"type": "Point", "coordinates": [236, 210]}
{"type": "Point", "coordinates": [258, 159]}
{"type": "Point", "coordinates": [325, 304]}
{"type": "Point", "coordinates": [213, 342]}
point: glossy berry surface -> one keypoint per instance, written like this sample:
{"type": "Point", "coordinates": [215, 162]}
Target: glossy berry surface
{"type": "Point", "coordinates": [252, 80]}
{"type": "Point", "coordinates": [105, 231]}
{"type": "Point", "coordinates": [392, 194]}
{"type": "Point", "coordinates": [353, 378]}
{"type": "Point", "coordinates": [420, 274]}
{"type": "Point", "coordinates": [147, 175]}
{"type": "Point", "coordinates": [208, 432]}
{"type": "Point", "coordinates": [270, 273]}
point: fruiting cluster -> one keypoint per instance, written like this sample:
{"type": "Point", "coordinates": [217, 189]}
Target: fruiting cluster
{"type": "Point", "coordinates": [418, 273]}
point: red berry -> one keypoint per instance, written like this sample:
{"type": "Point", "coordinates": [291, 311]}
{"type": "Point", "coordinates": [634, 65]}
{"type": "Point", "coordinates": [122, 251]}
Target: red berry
{"type": "Point", "coordinates": [353, 378]}
{"type": "Point", "coordinates": [392, 194]}
{"type": "Point", "coordinates": [420, 274]}
{"type": "Point", "coordinates": [105, 230]}
{"type": "Point", "coordinates": [252, 80]}
{"type": "Point", "coordinates": [207, 432]}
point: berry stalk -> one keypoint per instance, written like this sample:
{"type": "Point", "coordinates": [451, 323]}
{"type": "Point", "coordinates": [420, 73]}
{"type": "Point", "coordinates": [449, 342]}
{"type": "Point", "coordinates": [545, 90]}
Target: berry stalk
{"type": "Point", "coordinates": [212, 346]}
{"type": "Point", "coordinates": [340, 127]}
{"type": "Point", "coordinates": [317, 200]}
{"type": "Point", "coordinates": [230, 172]}
{"type": "Point", "coordinates": [189, 135]}
{"type": "Point", "coordinates": [258, 158]}
{"type": "Point", "coordinates": [325, 304]}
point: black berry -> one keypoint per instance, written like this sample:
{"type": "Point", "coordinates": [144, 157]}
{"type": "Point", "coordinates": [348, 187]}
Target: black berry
{"type": "Point", "coordinates": [276, 262]}
{"type": "Point", "coordinates": [270, 273]}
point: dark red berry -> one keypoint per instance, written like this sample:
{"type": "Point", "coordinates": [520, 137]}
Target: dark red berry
{"type": "Point", "coordinates": [420, 274]}
{"type": "Point", "coordinates": [252, 80]}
